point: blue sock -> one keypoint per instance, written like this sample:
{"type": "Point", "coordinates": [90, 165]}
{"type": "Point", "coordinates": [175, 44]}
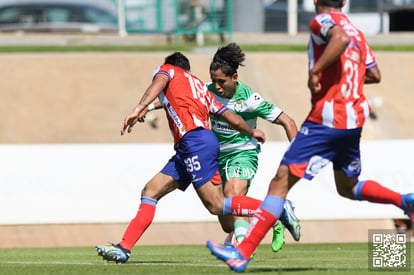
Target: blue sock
{"type": "Point", "coordinates": [273, 205]}
{"type": "Point", "coordinates": [148, 200]}
{"type": "Point", "coordinates": [357, 190]}
{"type": "Point", "coordinates": [227, 206]}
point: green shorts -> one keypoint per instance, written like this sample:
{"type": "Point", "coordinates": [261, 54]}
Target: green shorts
{"type": "Point", "coordinates": [238, 164]}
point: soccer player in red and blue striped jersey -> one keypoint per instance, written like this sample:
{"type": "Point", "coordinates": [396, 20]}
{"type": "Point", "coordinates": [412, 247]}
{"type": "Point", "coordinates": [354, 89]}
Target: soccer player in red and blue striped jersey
{"type": "Point", "coordinates": [188, 105]}
{"type": "Point", "coordinates": [340, 63]}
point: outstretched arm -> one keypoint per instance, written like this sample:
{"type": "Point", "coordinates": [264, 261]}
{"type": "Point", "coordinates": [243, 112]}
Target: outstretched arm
{"type": "Point", "coordinates": [288, 124]}
{"type": "Point", "coordinates": [154, 89]}
{"type": "Point", "coordinates": [238, 123]}
{"type": "Point", "coordinates": [152, 106]}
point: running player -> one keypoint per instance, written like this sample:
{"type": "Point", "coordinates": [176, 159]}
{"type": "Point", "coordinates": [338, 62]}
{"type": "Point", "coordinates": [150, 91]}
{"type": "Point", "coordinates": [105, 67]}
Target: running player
{"type": "Point", "coordinates": [340, 62]}
{"type": "Point", "coordinates": [188, 105]}
{"type": "Point", "coordinates": [238, 159]}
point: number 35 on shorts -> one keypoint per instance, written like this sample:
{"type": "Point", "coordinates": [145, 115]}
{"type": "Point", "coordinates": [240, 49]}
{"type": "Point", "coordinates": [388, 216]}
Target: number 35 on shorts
{"type": "Point", "coordinates": [192, 164]}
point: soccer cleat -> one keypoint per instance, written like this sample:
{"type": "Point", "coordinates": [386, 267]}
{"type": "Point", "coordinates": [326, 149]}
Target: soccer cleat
{"type": "Point", "coordinates": [230, 255]}
{"type": "Point", "coordinates": [278, 236]}
{"type": "Point", "coordinates": [408, 205]}
{"type": "Point", "coordinates": [113, 253]}
{"type": "Point", "coordinates": [290, 221]}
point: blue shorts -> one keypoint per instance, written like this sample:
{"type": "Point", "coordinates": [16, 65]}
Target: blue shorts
{"type": "Point", "coordinates": [316, 145]}
{"type": "Point", "coordinates": [195, 160]}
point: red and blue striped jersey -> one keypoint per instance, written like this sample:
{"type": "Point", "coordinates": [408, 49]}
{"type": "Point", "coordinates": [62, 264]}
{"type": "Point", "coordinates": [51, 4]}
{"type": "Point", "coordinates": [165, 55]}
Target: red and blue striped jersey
{"type": "Point", "coordinates": [187, 102]}
{"type": "Point", "coordinates": [341, 104]}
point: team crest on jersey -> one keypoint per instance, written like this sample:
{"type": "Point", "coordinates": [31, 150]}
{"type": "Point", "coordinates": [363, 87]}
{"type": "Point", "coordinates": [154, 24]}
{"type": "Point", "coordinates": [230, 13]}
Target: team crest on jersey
{"type": "Point", "coordinates": [238, 105]}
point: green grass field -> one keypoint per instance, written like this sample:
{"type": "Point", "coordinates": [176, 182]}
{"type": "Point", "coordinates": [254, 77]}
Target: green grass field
{"type": "Point", "coordinates": [191, 259]}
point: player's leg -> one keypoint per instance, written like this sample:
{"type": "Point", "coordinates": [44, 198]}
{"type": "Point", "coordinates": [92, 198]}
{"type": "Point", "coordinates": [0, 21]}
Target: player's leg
{"type": "Point", "coordinates": [228, 227]}
{"type": "Point", "coordinates": [309, 148]}
{"type": "Point", "coordinates": [237, 168]}
{"type": "Point", "coordinates": [237, 258]}
{"type": "Point", "coordinates": [235, 227]}
{"type": "Point", "coordinates": [160, 185]}
{"type": "Point", "coordinates": [200, 151]}
{"type": "Point", "coordinates": [347, 168]}
{"type": "Point", "coordinates": [372, 191]}
{"type": "Point", "coordinates": [236, 186]}
{"type": "Point", "coordinates": [269, 211]}
{"type": "Point", "coordinates": [213, 199]}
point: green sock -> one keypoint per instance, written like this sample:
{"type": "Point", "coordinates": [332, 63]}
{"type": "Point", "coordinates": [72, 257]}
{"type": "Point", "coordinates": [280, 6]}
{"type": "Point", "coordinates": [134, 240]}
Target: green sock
{"type": "Point", "coordinates": [240, 229]}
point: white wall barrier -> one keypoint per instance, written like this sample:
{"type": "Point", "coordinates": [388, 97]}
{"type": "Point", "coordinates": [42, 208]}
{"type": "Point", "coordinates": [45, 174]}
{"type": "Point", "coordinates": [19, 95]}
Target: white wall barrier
{"type": "Point", "coordinates": [91, 183]}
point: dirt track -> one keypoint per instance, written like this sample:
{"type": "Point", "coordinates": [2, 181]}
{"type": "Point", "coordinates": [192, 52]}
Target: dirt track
{"type": "Point", "coordinates": [83, 97]}
{"type": "Point", "coordinates": [55, 235]}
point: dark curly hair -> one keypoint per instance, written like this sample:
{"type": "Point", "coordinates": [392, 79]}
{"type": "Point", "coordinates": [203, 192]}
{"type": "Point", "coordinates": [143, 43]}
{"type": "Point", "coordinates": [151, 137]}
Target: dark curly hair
{"type": "Point", "coordinates": [228, 59]}
{"type": "Point", "coordinates": [179, 60]}
{"type": "Point", "coordinates": [331, 3]}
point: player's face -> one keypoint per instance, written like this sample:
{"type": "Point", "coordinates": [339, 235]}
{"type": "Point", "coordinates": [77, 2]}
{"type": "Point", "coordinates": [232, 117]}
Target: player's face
{"type": "Point", "coordinates": [225, 85]}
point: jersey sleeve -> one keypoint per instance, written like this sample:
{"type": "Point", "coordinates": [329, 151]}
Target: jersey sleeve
{"type": "Point", "coordinates": [165, 70]}
{"type": "Point", "coordinates": [320, 25]}
{"type": "Point", "coordinates": [370, 61]}
{"type": "Point", "coordinates": [263, 108]}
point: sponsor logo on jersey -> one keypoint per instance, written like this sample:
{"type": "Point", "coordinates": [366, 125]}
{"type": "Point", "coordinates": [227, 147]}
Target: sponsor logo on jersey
{"type": "Point", "coordinates": [175, 118]}
{"type": "Point", "coordinates": [219, 126]}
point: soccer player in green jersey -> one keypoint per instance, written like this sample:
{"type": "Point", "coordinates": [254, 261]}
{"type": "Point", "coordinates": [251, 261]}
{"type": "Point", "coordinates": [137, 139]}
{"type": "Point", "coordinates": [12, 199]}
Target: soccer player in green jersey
{"type": "Point", "coordinates": [238, 159]}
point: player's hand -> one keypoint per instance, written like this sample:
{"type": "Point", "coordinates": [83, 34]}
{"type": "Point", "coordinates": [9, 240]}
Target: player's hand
{"type": "Point", "coordinates": [313, 83]}
{"type": "Point", "coordinates": [142, 115]}
{"type": "Point", "coordinates": [138, 114]}
{"type": "Point", "coordinates": [259, 135]}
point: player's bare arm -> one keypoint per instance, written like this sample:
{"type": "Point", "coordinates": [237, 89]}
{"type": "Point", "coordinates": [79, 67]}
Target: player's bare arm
{"type": "Point", "coordinates": [138, 113]}
{"type": "Point", "coordinates": [372, 75]}
{"type": "Point", "coordinates": [338, 40]}
{"type": "Point", "coordinates": [238, 123]}
{"type": "Point", "coordinates": [288, 124]}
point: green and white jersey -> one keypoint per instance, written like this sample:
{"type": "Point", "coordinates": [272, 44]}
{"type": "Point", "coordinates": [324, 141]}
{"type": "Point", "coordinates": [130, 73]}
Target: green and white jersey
{"type": "Point", "coordinates": [247, 104]}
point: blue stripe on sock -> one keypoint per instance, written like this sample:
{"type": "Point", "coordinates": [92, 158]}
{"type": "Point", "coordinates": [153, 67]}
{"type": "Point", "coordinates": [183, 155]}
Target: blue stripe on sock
{"type": "Point", "coordinates": [148, 200]}
{"type": "Point", "coordinates": [273, 205]}
{"type": "Point", "coordinates": [227, 206]}
{"type": "Point", "coordinates": [357, 190]}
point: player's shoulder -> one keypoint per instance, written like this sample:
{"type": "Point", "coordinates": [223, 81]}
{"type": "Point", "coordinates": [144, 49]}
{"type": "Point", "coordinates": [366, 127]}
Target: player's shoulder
{"type": "Point", "coordinates": [247, 95]}
{"type": "Point", "coordinates": [172, 70]}
{"type": "Point", "coordinates": [243, 91]}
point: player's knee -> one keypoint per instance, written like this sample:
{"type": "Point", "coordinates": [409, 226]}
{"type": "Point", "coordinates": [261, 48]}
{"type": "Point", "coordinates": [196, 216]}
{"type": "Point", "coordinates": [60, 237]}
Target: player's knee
{"type": "Point", "coordinates": [148, 191]}
{"type": "Point", "coordinates": [214, 208]}
{"type": "Point", "coordinates": [346, 192]}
